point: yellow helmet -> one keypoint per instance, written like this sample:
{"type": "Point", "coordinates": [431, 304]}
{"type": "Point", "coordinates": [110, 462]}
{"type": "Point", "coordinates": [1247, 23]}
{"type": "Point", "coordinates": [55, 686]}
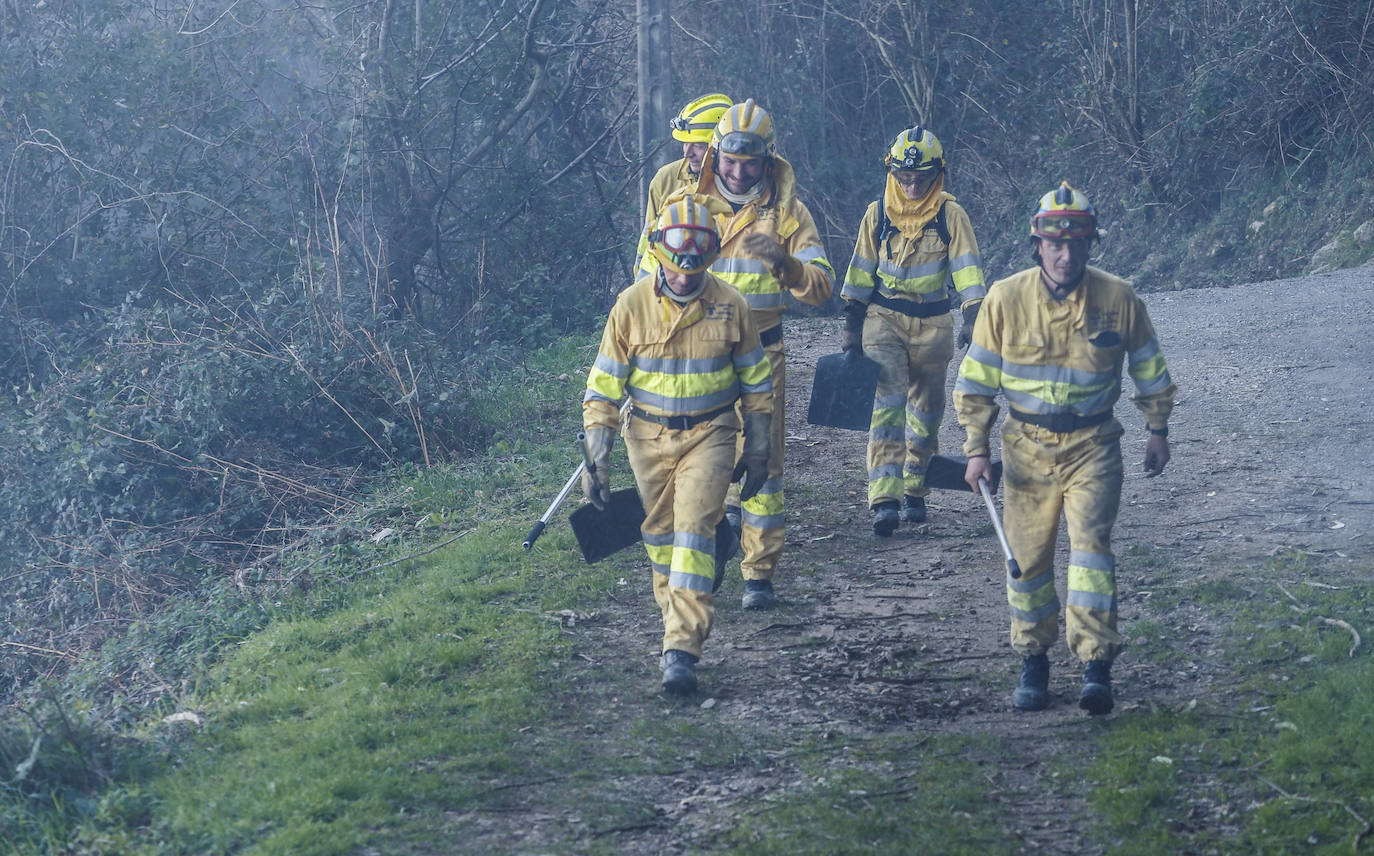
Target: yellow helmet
{"type": "Point", "coordinates": [684, 237]}
{"type": "Point", "coordinates": [745, 131]}
{"type": "Point", "coordinates": [915, 149]}
{"type": "Point", "coordinates": [698, 119]}
{"type": "Point", "coordinates": [1064, 214]}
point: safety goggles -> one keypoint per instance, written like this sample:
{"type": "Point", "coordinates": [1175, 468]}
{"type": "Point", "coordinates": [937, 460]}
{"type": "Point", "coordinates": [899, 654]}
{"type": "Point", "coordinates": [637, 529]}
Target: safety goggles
{"type": "Point", "coordinates": [1063, 227]}
{"type": "Point", "coordinates": [915, 176]}
{"type": "Point", "coordinates": [743, 145]}
{"type": "Point", "coordinates": [686, 240]}
{"type": "Point", "coordinates": [912, 159]}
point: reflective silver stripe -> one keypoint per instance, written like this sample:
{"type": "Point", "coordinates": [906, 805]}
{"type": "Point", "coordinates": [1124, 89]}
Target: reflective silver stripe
{"type": "Point", "coordinates": [763, 301]}
{"type": "Point", "coordinates": [890, 471]}
{"type": "Point", "coordinates": [972, 387]}
{"type": "Point", "coordinates": [694, 404]}
{"type": "Point", "coordinates": [921, 271]}
{"type": "Point", "coordinates": [691, 582]}
{"type": "Point", "coordinates": [761, 521]}
{"type": "Point", "coordinates": [1059, 374]}
{"type": "Point", "coordinates": [1031, 586]}
{"type": "Point", "coordinates": [887, 434]}
{"type": "Point", "coordinates": [1144, 352]}
{"type": "Point", "coordinates": [691, 541]}
{"type": "Point", "coordinates": [893, 401]}
{"type": "Point", "coordinates": [967, 260]}
{"type": "Point", "coordinates": [611, 367]}
{"type": "Point", "coordinates": [919, 442]}
{"type": "Point", "coordinates": [689, 366]}
{"type": "Point", "coordinates": [1094, 561]}
{"type": "Point", "coordinates": [868, 266]}
{"type": "Point", "coordinates": [983, 355]}
{"type": "Point", "coordinates": [734, 264]}
{"type": "Point", "coordinates": [811, 254]}
{"type": "Point", "coordinates": [1037, 615]}
{"type": "Point", "coordinates": [753, 358]}
{"type": "Point", "coordinates": [655, 539]}
{"type": "Point", "coordinates": [1092, 600]}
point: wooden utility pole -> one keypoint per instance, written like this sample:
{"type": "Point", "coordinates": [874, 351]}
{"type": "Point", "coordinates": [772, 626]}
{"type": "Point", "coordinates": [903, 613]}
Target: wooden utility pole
{"type": "Point", "coordinates": [655, 88]}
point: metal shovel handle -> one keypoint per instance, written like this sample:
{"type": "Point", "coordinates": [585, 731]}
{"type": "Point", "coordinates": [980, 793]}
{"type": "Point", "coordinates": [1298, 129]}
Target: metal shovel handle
{"type": "Point", "coordinates": [1012, 568]}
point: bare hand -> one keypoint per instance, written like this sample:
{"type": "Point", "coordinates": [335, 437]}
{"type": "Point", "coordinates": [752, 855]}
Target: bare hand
{"type": "Point", "coordinates": [1156, 455]}
{"type": "Point", "coordinates": [979, 467]}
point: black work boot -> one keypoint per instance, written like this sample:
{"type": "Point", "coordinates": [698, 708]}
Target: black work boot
{"type": "Point", "coordinates": [1096, 697]}
{"type": "Point", "coordinates": [885, 518]}
{"type": "Point", "coordinates": [679, 672]}
{"type": "Point", "coordinates": [913, 509]}
{"type": "Point", "coordinates": [758, 594]}
{"type": "Point", "coordinates": [1033, 692]}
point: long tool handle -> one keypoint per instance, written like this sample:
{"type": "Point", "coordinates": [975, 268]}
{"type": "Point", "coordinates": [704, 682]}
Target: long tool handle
{"type": "Point", "coordinates": [557, 501]}
{"type": "Point", "coordinates": [1012, 568]}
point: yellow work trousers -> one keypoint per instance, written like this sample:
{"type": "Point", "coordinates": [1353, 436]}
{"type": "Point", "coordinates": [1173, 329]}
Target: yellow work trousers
{"type": "Point", "coordinates": [913, 357]}
{"type": "Point", "coordinates": [762, 515]}
{"type": "Point", "coordinates": [682, 478]}
{"type": "Point", "coordinates": [1079, 474]}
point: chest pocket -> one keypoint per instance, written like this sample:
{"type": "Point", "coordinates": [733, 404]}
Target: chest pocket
{"type": "Point", "coordinates": [1026, 347]}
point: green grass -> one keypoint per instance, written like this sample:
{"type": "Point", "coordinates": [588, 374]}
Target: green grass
{"type": "Point", "coordinates": [1281, 763]}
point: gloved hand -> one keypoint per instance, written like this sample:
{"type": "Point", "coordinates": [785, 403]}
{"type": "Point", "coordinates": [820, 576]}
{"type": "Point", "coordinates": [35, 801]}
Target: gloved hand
{"type": "Point", "coordinates": [753, 461]}
{"type": "Point", "coordinates": [783, 265]}
{"type": "Point", "coordinates": [965, 337]}
{"type": "Point", "coordinates": [596, 478]}
{"type": "Point", "coordinates": [853, 336]}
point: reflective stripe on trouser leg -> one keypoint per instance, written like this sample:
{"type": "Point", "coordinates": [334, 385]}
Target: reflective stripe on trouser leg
{"type": "Point", "coordinates": [682, 477]}
{"type": "Point", "coordinates": [913, 357]}
{"type": "Point", "coordinates": [1092, 496]}
{"type": "Point", "coordinates": [1079, 474]}
{"type": "Point", "coordinates": [762, 516]}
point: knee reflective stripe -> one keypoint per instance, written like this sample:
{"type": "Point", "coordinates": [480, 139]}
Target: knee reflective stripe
{"type": "Point", "coordinates": [765, 509]}
{"type": "Point", "coordinates": [1035, 600]}
{"type": "Point", "coordinates": [693, 581]}
{"type": "Point", "coordinates": [893, 434]}
{"type": "Point", "coordinates": [1092, 581]}
{"type": "Point", "coordinates": [888, 411]}
{"type": "Point", "coordinates": [922, 429]}
{"type": "Point", "coordinates": [885, 480]}
{"type": "Point", "coordinates": [914, 481]}
{"type": "Point", "coordinates": [659, 546]}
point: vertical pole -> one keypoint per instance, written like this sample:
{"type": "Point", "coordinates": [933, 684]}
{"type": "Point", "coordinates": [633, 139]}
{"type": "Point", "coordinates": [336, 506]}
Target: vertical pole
{"type": "Point", "coordinates": [655, 88]}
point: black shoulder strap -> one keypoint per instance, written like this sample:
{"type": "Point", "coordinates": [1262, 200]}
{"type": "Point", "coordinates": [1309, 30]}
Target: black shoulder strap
{"type": "Point", "coordinates": [884, 229]}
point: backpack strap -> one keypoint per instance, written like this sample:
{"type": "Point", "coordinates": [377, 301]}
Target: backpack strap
{"type": "Point", "coordinates": [885, 229]}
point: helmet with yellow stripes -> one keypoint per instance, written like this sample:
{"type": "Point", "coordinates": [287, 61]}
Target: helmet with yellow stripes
{"type": "Point", "coordinates": [698, 119]}
{"type": "Point", "coordinates": [915, 149]}
{"type": "Point", "coordinates": [684, 237]}
{"type": "Point", "coordinates": [745, 131]}
{"type": "Point", "coordinates": [1064, 214]}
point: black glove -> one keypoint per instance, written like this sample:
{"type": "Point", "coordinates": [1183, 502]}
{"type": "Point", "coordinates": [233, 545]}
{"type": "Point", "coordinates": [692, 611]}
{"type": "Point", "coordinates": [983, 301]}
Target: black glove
{"type": "Point", "coordinates": [753, 460]}
{"type": "Point", "coordinates": [965, 337]}
{"type": "Point", "coordinates": [853, 337]}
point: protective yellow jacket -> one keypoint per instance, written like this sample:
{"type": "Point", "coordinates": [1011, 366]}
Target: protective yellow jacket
{"type": "Point", "coordinates": [670, 180]}
{"type": "Point", "coordinates": [1052, 356]}
{"type": "Point", "coordinates": [916, 270]}
{"type": "Point", "coordinates": [806, 272]}
{"type": "Point", "coordinates": [677, 360]}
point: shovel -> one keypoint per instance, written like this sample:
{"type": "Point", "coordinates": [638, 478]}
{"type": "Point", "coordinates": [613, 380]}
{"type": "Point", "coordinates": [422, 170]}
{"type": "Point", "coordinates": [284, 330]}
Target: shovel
{"type": "Point", "coordinates": [944, 473]}
{"type": "Point", "coordinates": [604, 533]}
{"type": "Point", "coordinates": [842, 391]}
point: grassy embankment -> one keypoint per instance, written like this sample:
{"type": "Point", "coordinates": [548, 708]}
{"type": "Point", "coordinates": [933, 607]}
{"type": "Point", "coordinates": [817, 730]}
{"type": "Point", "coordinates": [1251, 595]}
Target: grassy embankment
{"type": "Point", "coordinates": [460, 699]}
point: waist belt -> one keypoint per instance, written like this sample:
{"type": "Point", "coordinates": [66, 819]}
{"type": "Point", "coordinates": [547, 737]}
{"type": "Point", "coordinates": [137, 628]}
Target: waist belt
{"type": "Point", "coordinates": [1060, 423]}
{"type": "Point", "coordinates": [771, 336]}
{"type": "Point", "coordinates": [910, 307]}
{"type": "Point", "coordinates": [681, 423]}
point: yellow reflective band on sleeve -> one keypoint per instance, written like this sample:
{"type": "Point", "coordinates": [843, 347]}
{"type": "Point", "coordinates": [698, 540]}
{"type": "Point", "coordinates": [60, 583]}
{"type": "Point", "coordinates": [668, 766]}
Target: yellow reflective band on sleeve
{"type": "Point", "coordinates": [985, 378]}
{"type": "Point", "coordinates": [606, 385]}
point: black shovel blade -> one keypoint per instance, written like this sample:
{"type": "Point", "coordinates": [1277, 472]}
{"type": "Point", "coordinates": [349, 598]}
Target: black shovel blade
{"type": "Point", "coordinates": [946, 473]}
{"type": "Point", "coordinates": [842, 391]}
{"type": "Point", "coordinates": [603, 533]}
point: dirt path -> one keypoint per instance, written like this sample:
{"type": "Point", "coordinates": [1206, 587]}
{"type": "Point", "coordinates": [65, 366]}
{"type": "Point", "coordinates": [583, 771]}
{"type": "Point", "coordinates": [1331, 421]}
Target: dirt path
{"type": "Point", "coordinates": [908, 635]}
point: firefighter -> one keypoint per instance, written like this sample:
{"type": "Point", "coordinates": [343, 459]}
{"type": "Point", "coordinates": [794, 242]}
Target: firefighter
{"type": "Point", "coordinates": [769, 246]}
{"type": "Point", "coordinates": [915, 245]}
{"type": "Point", "coordinates": [1052, 339]}
{"type": "Point", "coordinates": [683, 347]}
{"type": "Point", "coordinates": [692, 127]}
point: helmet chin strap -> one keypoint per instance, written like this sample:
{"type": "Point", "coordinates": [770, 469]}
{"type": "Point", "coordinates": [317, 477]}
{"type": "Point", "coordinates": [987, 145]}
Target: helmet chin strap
{"type": "Point", "coordinates": [1057, 288]}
